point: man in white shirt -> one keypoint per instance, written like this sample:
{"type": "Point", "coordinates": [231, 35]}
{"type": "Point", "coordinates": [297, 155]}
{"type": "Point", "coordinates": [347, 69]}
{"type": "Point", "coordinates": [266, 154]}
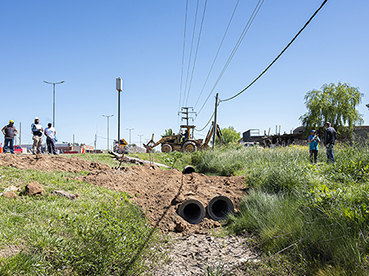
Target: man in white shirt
{"type": "Point", "coordinates": [37, 130]}
{"type": "Point", "coordinates": [50, 133]}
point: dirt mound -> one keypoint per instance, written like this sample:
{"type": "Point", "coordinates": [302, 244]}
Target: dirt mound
{"type": "Point", "coordinates": [50, 163]}
{"type": "Point", "coordinates": [161, 192]}
{"type": "Point", "coordinates": [158, 192]}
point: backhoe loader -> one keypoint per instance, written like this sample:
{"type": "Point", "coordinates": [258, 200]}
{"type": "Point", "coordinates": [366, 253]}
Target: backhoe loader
{"type": "Point", "coordinates": [184, 141]}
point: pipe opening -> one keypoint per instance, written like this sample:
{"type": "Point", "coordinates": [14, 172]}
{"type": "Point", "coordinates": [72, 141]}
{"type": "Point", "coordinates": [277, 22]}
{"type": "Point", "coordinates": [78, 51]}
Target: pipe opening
{"type": "Point", "coordinates": [192, 211]}
{"type": "Point", "coordinates": [188, 169]}
{"type": "Point", "coordinates": [219, 207]}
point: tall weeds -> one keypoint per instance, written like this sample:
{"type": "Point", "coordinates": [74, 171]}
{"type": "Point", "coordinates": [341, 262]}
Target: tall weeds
{"type": "Point", "coordinates": [313, 213]}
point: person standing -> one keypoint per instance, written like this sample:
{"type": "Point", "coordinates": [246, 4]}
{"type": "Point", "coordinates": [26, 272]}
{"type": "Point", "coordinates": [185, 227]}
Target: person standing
{"type": "Point", "coordinates": [313, 140]}
{"type": "Point", "coordinates": [329, 140]}
{"type": "Point", "coordinates": [50, 133]}
{"type": "Point", "coordinates": [37, 130]}
{"type": "Point", "coordinates": [9, 132]}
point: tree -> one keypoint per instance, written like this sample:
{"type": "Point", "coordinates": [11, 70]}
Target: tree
{"type": "Point", "coordinates": [230, 135]}
{"type": "Point", "coordinates": [168, 132]}
{"type": "Point", "coordinates": [335, 104]}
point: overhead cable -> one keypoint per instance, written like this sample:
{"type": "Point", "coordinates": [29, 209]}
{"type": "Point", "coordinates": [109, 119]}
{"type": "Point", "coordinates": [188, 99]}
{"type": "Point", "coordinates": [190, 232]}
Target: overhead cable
{"type": "Point", "coordinates": [280, 54]}
{"type": "Point", "coordinates": [197, 49]}
{"type": "Point", "coordinates": [189, 60]}
{"type": "Point", "coordinates": [183, 55]}
{"type": "Point", "coordinates": [212, 116]}
{"type": "Point", "coordinates": [245, 30]}
{"type": "Point", "coordinates": [216, 56]}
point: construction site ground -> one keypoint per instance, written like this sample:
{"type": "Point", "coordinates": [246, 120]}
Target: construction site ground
{"type": "Point", "coordinates": [157, 191]}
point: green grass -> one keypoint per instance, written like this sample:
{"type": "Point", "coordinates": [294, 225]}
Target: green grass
{"type": "Point", "coordinates": [316, 215]}
{"type": "Point", "coordinates": [100, 233]}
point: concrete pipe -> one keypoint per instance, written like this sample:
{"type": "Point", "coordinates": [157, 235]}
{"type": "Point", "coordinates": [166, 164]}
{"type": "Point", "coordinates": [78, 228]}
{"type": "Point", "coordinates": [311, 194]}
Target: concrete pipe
{"type": "Point", "coordinates": [192, 211]}
{"type": "Point", "coordinates": [219, 207]}
{"type": "Point", "coordinates": [188, 169]}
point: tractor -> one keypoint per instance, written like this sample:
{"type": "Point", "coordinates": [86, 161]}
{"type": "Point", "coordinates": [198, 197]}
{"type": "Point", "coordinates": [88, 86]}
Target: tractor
{"type": "Point", "coordinates": [183, 141]}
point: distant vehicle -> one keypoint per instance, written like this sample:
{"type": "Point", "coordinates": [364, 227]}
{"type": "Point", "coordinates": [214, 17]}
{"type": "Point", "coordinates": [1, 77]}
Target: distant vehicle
{"type": "Point", "coordinates": [251, 144]}
{"type": "Point", "coordinates": [18, 149]}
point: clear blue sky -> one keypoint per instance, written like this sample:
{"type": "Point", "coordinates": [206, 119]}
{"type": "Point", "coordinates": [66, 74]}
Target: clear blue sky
{"type": "Point", "coordinates": [88, 44]}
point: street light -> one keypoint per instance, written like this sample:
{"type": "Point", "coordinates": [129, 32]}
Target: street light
{"type": "Point", "coordinates": [140, 139]}
{"type": "Point", "coordinates": [107, 125]}
{"type": "Point", "coordinates": [119, 88]}
{"type": "Point", "coordinates": [130, 129]}
{"type": "Point", "coordinates": [54, 83]}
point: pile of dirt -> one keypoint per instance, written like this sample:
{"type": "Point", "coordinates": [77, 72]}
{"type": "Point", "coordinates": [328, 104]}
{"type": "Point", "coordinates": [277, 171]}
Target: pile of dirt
{"type": "Point", "coordinates": [158, 192]}
{"type": "Point", "coordinates": [50, 163]}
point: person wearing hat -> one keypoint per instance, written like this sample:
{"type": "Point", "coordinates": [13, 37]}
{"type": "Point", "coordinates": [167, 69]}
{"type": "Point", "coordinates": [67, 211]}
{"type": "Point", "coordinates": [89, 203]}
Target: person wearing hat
{"type": "Point", "coordinates": [37, 131]}
{"type": "Point", "coordinates": [329, 140]}
{"type": "Point", "coordinates": [313, 140]}
{"type": "Point", "coordinates": [9, 132]}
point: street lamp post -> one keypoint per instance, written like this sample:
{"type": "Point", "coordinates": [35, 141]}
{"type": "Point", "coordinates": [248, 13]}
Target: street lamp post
{"type": "Point", "coordinates": [54, 83]}
{"type": "Point", "coordinates": [130, 129]}
{"type": "Point", "coordinates": [119, 88]}
{"type": "Point", "coordinates": [140, 139]}
{"type": "Point", "coordinates": [107, 126]}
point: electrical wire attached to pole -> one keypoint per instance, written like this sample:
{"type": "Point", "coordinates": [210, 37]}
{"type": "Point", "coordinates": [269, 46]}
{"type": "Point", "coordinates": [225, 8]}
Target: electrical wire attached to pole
{"type": "Point", "coordinates": [280, 54]}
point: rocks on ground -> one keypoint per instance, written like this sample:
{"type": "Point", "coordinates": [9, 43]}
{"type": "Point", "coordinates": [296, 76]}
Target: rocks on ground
{"type": "Point", "coordinates": [192, 255]}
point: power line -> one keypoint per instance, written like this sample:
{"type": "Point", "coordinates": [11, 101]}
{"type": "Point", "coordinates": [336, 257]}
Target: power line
{"type": "Point", "coordinates": [197, 48]}
{"type": "Point", "coordinates": [216, 56]}
{"type": "Point", "coordinates": [199, 130]}
{"type": "Point", "coordinates": [280, 54]}
{"type": "Point", "coordinates": [245, 30]}
{"type": "Point", "coordinates": [183, 55]}
{"type": "Point", "coordinates": [189, 60]}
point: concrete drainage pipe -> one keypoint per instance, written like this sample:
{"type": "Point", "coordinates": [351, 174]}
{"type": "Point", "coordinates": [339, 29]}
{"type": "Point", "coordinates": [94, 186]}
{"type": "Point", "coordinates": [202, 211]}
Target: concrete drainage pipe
{"type": "Point", "coordinates": [188, 169]}
{"type": "Point", "coordinates": [192, 211]}
{"type": "Point", "coordinates": [219, 207]}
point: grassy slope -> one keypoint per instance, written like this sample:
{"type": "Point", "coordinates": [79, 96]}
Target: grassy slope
{"type": "Point", "coordinates": [316, 216]}
{"type": "Point", "coordinates": [98, 234]}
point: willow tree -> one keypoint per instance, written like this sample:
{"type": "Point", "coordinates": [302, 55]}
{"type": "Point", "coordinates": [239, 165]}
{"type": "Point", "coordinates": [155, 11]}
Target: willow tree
{"type": "Point", "coordinates": [335, 104]}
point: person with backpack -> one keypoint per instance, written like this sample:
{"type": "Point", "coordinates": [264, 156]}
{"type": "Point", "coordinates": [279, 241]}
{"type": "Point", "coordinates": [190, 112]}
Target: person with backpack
{"type": "Point", "coordinates": [37, 131]}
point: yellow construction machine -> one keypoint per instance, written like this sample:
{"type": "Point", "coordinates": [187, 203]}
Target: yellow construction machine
{"type": "Point", "coordinates": [184, 140]}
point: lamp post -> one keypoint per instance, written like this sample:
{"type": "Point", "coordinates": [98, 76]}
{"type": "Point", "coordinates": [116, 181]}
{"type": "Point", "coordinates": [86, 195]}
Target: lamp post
{"type": "Point", "coordinates": [130, 129]}
{"type": "Point", "coordinates": [140, 139]}
{"type": "Point", "coordinates": [119, 87]}
{"type": "Point", "coordinates": [107, 126]}
{"type": "Point", "coordinates": [54, 83]}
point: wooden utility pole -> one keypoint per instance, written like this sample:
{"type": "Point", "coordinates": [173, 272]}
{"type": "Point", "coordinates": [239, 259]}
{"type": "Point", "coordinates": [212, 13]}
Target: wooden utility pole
{"type": "Point", "coordinates": [215, 119]}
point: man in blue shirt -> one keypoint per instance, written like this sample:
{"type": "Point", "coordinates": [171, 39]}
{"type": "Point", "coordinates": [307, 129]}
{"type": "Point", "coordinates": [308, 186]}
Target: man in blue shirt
{"type": "Point", "coordinates": [313, 140]}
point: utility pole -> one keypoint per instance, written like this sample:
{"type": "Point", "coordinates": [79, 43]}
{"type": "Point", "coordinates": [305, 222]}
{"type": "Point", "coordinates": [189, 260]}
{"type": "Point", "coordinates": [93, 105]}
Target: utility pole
{"type": "Point", "coordinates": [54, 83]}
{"type": "Point", "coordinates": [95, 141]}
{"type": "Point", "coordinates": [215, 119]}
{"type": "Point", "coordinates": [119, 89]}
{"type": "Point", "coordinates": [140, 139]}
{"type": "Point", "coordinates": [20, 134]}
{"type": "Point", "coordinates": [130, 141]}
{"type": "Point", "coordinates": [184, 111]}
{"type": "Point", "coordinates": [107, 126]}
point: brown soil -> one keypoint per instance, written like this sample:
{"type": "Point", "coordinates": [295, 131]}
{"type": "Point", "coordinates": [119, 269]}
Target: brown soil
{"type": "Point", "coordinates": [158, 192]}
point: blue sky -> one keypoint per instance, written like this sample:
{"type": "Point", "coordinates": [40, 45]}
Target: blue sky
{"type": "Point", "coordinates": [88, 44]}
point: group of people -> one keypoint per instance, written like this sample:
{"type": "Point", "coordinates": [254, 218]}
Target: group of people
{"type": "Point", "coordinates": [10, 131]}
{"type": "Point", "coordinates": [329, 140]}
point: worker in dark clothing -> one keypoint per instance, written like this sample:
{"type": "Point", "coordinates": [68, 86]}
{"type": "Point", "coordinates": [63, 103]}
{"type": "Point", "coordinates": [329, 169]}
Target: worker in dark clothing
{"type": "Point", "coordinates": [329, 140]}
{"type": "Point", "coordinates": [186, 136]}
{"type": "Point", "coordinates": [9, 132]}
